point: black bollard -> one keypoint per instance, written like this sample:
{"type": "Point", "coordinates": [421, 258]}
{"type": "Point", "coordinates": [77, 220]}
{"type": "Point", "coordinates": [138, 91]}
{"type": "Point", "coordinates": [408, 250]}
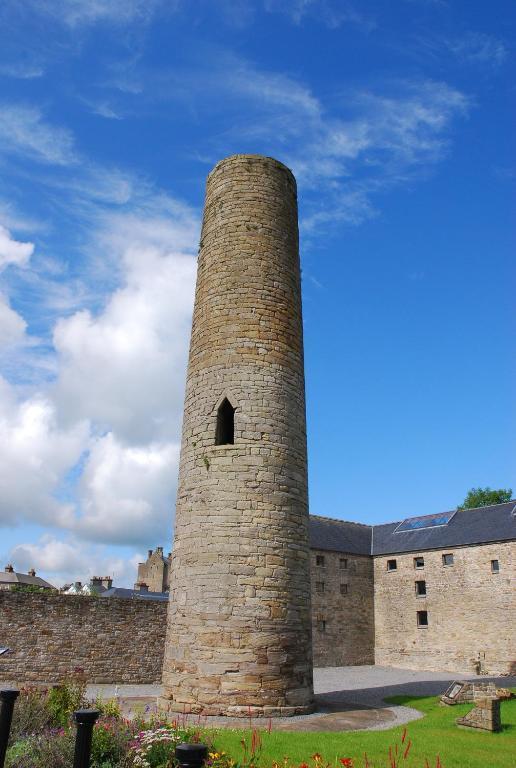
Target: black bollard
{"type": "Point", "coordinates": [7, 698]}
{"type": "Point", "coordinates": [191, 755]}
{"type": "Point", "coordinates": [85, 719]}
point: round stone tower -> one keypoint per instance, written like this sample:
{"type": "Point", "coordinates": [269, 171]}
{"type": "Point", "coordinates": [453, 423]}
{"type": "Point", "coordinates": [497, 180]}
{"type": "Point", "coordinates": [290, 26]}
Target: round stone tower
{"type": "Point", "coordinates": [239, 625]}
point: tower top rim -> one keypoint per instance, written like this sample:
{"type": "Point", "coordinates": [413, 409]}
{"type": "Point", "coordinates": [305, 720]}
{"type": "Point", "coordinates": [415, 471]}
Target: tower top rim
{"type": "Point", "coordinates": [238, 158]}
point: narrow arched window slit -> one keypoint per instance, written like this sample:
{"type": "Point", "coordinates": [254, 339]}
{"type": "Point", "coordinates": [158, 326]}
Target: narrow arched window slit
{"type": "Point", "coordinates": [225, 434]}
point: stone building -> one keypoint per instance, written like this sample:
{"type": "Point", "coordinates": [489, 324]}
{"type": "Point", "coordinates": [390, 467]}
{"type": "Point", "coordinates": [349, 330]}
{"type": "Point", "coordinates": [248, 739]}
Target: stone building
{"type": "Point", "coordinates": [341, 569]}
{"type": "Point", "coordinates": [239, 628]}
{"type": "Point", "coordinates": [433, 592]}
{"type": "Point", "coordinates": [154, 573]}
{"type": "Point", "coordinates": [448, 582]}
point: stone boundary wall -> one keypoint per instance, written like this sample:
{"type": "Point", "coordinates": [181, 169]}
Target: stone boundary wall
{"type": "Point", "coordinates": [112, 639]}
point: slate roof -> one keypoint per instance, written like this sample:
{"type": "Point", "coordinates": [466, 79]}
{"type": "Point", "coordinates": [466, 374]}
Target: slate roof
{"type": "Point", "coordinates": [12, 577]}
{"type": "Point", "coordinates": [340, 535]}
{"type": "Point", "coordinates": [134, 594]}
{"type": "Point", "coordinates": [470, 526]}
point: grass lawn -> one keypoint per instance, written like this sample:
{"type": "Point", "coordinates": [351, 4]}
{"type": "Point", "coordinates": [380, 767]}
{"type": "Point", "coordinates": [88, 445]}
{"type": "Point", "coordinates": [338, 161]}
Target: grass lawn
{"type": "Point", "coordinates": [433, 735]}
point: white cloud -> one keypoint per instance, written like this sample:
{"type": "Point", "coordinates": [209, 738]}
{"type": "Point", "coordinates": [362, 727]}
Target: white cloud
{"type": "Point", "coordinates": [124, 367]}
{"type": "Point", "coordinates": [103, 109]}
{"type": "Point", "coordinates": [331, 13]}
{"type": "Point", "coordinates": [77, 13]}
{"type": "Point", "coordinates": [24, 131]}
{"type": "Point", "coordinates": [35, 455]}
{"type": "Point", "coordinates": [51, 555]}
{"type": "Point", "coordinates": [64, 561]}
{"type": "Point", "coordinates": [127, 492]}
{"type": "Point", "coordinates": [343, 149]}
{"type": "Point", "coordinates": [12, 325]}
{"type": "Point", "coordinates": [105, 436]}
{"type": "Point", "coordinates": [21, 70]}
{"type": "Point", "coordinates": [12, 251]}
{"type": "Point", "coordinates": [272, 89]}
{"type": "Point", "coordinates": [478, 48]}
{"type": "Point", "coordinates": [364, 143]}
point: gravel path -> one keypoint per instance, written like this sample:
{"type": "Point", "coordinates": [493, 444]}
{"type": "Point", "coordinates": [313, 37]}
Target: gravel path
{"type": "Point", "coordinates": [370, 685]}
{"type": "Point", "coordinates": [349, 698]}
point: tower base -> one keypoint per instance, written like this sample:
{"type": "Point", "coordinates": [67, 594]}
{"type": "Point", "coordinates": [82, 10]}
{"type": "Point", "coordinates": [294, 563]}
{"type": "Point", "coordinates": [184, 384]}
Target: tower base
{"type": "Point", "coordinates": [168, 706]}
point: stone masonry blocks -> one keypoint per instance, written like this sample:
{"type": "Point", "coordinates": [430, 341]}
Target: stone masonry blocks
{"type": "Point", "coordinates": [49, 635]}
{"type": "Point", "coordinates": [239, 622]}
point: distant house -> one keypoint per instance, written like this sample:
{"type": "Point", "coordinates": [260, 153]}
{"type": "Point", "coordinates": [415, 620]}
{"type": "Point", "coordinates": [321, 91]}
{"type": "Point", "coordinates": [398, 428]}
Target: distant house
{"type": "Point", "coordinates": [10, 579]}
{"type": "Point", "coordinates": [97, 585]}
{"type": "Point", "coordinates": [103, 587]}
{"type": "Point", "coordinates": [140, 593]}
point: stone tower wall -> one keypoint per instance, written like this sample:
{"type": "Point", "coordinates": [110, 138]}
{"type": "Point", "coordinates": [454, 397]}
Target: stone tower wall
{"type": "Point", "coordinates": [239, 629]}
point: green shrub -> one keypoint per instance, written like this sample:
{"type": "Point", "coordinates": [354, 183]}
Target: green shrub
{"type": "Point", "coordinates": [63, 699]}
{"type": "Point", "coordinates": [109, 708]}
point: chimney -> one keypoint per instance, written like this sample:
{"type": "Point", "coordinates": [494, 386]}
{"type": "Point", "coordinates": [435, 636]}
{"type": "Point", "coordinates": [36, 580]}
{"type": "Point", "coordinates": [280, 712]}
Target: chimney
{"type": "Point", "coordinates": [9, 568]}
{"type": "Point", "coordinates": [78, 585]}
{"type": "Point", "coordinates": [140, 586]}
{"type": "Point", "coordinates": [150, 553]}
{"type": "Point", "coordinates": [169, 555]}
{"type": "Point", "coordinates": [106, 582]}
{"type": "Point", "coordinates": [96, 582]}
{"type": "Point", "coordinates": [32, 572]}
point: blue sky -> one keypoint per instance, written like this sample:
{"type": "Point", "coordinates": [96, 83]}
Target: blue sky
{"type": "Point", "coordinates": [396, 120]}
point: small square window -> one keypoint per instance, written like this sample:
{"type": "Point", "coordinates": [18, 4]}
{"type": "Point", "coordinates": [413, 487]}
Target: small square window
{"type": "Point", "coordinates": [319, 559]}
{"type": "Point", "coordinates": [419, 562]}
{"type": "Point", "coordinates": [319, 587]}
{"type": "Point", "coordinates": [422, 618]}
{"type": "Point", "coordinates": [495, 566]}
{"type": "Point", "coordinates": [321, 625]}
{"type": "Point", "coordinates": [448, 559]}
{"type": "Point", "coordinates": [344, 589]}
{"type": "Point", "coordinates": [392, 565]}
{"type": "Point", "coordinates": [421, 588]}
{"type": "Point", "coordinates": [343, 563]}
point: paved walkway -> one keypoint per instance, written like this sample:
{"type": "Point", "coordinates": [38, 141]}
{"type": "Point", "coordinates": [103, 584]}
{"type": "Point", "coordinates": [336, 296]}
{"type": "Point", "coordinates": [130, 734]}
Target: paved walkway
{"type": "Point", "coordinates": [348, 698]}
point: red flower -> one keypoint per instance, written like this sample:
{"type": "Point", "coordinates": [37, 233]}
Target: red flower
{"type": "Point", "coordinates": [347, 762]}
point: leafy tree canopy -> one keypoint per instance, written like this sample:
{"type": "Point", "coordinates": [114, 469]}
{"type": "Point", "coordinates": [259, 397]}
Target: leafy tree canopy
{"type": "Point", "coordinates": [483, 497]}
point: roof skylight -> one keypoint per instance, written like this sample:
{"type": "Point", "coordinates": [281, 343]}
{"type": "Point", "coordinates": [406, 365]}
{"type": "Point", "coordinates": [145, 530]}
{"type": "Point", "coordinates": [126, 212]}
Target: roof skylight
{"type": "Point", "coordinates": [424, 521]}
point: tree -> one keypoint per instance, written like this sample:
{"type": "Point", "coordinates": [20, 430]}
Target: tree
{"type": "Point", "coordinates": [483, 497]}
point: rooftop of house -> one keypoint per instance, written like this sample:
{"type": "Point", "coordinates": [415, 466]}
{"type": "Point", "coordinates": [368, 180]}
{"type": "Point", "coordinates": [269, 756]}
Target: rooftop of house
{"type": "Point", "coordinates": [10, 576]}
{"type": "Point", "coordinates": [340, 535]}
{"type": "Point", "coordinates": [134, 594]}
{"type": "Point", "coordinates": [455, 528]}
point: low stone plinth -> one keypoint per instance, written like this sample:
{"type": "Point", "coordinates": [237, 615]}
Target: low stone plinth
{"type": "Point", "coordinates": [460, 692]}
{"type": "Point", "coordinates": [485, 715]}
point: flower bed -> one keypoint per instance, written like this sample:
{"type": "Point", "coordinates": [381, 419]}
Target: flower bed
{"type": "Point", "coordinates": [42, 736]}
